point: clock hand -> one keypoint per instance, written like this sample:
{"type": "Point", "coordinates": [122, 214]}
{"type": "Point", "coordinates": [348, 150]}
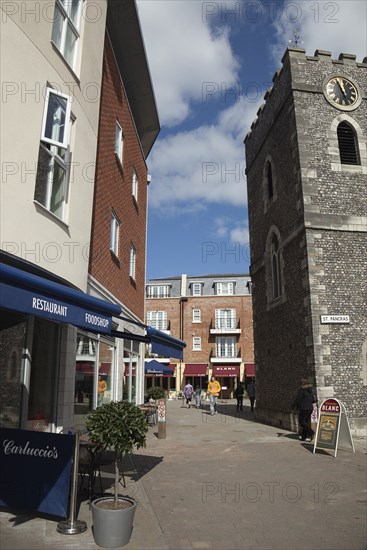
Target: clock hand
{"type": "Point", "coordinates": [340, 82]}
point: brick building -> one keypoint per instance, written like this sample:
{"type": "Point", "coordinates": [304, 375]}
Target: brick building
{"type": "Point", "coordinates": [128, 127]}
{"type": "Point", "coordinates": [213, 315]}
{"type": "Point", "coordinates": [307, 176]}
{"type": "Point", "coordinates": [80, 122]}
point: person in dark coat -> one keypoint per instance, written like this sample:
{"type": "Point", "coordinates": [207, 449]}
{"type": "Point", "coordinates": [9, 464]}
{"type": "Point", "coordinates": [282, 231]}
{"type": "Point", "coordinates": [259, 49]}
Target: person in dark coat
{"type": "Point", "coordinates": [239, 392]}
{"type": "Point", "coordinates": [251, 393]}
{"type": "Point", "coordinates": [304, 404]}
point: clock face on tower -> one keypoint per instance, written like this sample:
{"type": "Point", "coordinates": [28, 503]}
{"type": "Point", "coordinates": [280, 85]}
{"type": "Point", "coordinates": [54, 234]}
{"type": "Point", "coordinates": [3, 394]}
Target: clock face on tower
{"type": "Point", "coordinates": [341, 93]}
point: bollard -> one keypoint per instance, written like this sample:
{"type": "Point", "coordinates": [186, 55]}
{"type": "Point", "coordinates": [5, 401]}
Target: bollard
{"type": "Point", "coordinates": [72, 526]}
{"type": "Point", "coordinates": [162, 419]}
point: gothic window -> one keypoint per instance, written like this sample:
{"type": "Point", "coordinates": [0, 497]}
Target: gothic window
{"type": "Point", "coordinates": [269, 178]}
{"type": "Point", "coordinates": [269, 183]}
{"type": "Point", "coordinates": [348, 144]}
{"type": "Point", "coordinates": [275, 267]}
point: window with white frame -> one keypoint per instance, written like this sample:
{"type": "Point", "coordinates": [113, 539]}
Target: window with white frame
{"type": "Point", "coordinates": [114, 234]}
{"type": "Point", "coordinates": [134, 186]}
{"type": "Point", "coordinates": [225, 319]}
{"type": "Point", "coordinates": [158, 291]}
{"type": "Point", "coordinates": [54, 154]}
{"type": "Point", "coordinates": [132, 262]}
{"type": "Point", "coordinates": [224, 288]}
{"type": "Point", "coordinates": [119, 141]}
{"type": "Point", "coordinates": [157, 319]}
{"type": "Point", "coordinates": [196, 289]}
{"type": "Point", "coordinates": [196, 315]}
{"type": "Point", "coordinates": [196, 343]}
{"type": "Point", "coordinates": [66, 29]}
{"type": "Point", "coordinates": [225, 346]}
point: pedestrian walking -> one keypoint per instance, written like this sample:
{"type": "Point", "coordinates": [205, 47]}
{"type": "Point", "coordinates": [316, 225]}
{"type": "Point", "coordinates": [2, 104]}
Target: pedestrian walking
{"type": "Point", "coordinates": [214, 391]}
{"type": "Point", "coordinates": [239, 391]}
{"type": "Point", "coordinates": [251, 394]}
{"type": "Point", "coordinates": [188, 393]}
{"type": "Point", "coordinates": [304, 404]}
{"type": "Point", "coordinates": [197, 395]}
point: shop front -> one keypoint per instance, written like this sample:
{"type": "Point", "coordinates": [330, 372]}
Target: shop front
{"type": "Point", "coordinates": [159, 374]}
{"type": "Point", "coordinates": [228, 376]}
{"type": "Point", "coordinates": [39, 313]}
{"type": "Point", "coordinates": [59, 350]}
{"type": "Point", "coordinates": [196, 374]}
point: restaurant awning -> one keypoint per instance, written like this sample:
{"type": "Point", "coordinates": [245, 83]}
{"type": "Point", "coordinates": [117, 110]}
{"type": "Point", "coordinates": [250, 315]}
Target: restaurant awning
{"type": "Point", "coordinates": [156, 368]}
{"type": "Point", "coordinates": [250, 369]}
{"type": "Point", "coordinates": [164, 344]}
{"type": "Point", "coordinates": [35, 291]}
{"type": "Point", "coordinates": [230, 371]}
{"type": "Point", "coordinates": [127, 371]}
{"type": "Point", "coordinates": [195, 369]}
{"type": "Point", "coordinates": [29, 293]}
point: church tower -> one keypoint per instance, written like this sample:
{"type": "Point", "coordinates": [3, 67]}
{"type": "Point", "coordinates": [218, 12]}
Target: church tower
{"type": "Point", "coordinates": [306, 165]}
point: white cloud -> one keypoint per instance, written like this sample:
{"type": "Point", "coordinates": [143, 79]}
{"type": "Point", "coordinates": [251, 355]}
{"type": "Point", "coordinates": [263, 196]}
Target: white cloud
{"type": "Point", "coordinates": [226, 227]}
{"type": "Point", "coordinates": [205, 165]}
{"type": "Point", "coordinates": [184, 55]}
{"type": "Point", "coordinates": [240, 234]}
{"type": "Point", "coordinates": [333, 26]}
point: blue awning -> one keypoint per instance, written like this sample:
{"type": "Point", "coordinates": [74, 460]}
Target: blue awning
{"type": "Point", "coordinates": [161, 343]}
{"type": "Point", "coordinates": [164, 344]}
{"type": "Point", "coordinates": [155, 367]}
{"type": "Point", "coordinates": [28, 293]}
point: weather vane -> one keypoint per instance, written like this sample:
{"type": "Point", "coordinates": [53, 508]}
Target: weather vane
{"type": "Point", "coordinates": [296, 40]}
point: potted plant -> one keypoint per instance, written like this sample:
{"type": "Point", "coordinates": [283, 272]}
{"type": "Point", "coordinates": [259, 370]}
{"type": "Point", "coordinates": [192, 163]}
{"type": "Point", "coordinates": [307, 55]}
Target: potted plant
{"type": "Point", "coordinates": [117, 426]}
{"type": "Point", "coordinates": [156, 392]}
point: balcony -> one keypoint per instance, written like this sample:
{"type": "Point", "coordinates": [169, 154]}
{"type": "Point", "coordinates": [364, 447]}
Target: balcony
{"type": "Point", "coordinates": [225, 356]}
{"type": "Point", "coordinates": [225, 327]}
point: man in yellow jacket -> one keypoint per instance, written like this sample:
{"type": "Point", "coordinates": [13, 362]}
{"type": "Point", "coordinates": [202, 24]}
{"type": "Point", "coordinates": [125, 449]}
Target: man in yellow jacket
{"type": "Point", "coordinates": [214, 390]}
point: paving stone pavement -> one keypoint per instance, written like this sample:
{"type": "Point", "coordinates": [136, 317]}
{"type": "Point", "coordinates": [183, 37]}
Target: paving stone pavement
{"type": "Point", "coordinates": [224, 482]}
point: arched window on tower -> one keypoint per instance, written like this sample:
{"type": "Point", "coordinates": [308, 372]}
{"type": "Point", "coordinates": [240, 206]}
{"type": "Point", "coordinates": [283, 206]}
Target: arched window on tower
{"type": "Point", "coordinates": [348, 144]}
{"type": "Point", "coordinates": [269, 178]}
{"type": "Point", "coordinates": [275, 267]}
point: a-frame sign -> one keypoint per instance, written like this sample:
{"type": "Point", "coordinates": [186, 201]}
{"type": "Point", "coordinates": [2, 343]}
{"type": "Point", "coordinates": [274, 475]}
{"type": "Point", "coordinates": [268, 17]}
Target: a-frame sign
{"type": "Point", "coordinates": [333, 427]}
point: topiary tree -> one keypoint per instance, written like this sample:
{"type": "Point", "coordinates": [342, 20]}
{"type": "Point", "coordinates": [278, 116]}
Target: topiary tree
{"type": "Point", "coordinates": [118, 426]}
{"type": "Point", "coordinates": [156, 392]}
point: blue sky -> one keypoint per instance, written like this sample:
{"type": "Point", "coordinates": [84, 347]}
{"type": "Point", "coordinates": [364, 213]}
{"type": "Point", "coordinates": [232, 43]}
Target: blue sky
{"type": "Point", "coordinates": [211, 64]}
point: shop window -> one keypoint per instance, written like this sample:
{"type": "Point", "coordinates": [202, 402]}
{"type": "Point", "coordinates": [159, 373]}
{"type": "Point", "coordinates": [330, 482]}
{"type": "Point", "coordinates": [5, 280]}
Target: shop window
{"type": "Point", "coordinates": [12, 342]}
{"type": "Point", "coordinates": [44, 373]}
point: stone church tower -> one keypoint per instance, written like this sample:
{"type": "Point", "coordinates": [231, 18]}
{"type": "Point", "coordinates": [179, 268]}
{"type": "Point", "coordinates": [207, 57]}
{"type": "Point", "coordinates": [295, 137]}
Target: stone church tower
{"type": "Point", "coordinates": [306, 165]}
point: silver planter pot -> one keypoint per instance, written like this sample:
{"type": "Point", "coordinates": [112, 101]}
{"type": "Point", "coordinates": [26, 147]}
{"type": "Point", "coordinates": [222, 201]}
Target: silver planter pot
{"type": "Point", "coordinates": [112, 528]}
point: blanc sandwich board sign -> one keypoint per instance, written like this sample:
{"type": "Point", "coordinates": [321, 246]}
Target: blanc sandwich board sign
{"type": "Point", "coordinates": [333, 427]}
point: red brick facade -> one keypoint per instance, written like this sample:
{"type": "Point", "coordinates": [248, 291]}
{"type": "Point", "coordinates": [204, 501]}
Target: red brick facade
{"type": "Point", "coordinates": [207, 306]}
{"type": "Point", "coordinates": [113, 193]}
{"type": "Point", "coordinates": [181, 323]}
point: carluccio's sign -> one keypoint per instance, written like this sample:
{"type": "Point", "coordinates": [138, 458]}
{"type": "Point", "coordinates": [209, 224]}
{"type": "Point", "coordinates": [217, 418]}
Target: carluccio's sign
{"type": "Point", "coordinates": [35, 470]}
{"type": "Point", "coordinates": [333, 427]}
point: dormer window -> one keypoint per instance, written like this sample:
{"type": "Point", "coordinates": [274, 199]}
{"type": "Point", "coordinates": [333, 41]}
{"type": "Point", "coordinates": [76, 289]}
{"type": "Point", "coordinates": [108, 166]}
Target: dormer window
{"type": "Point", "coordinates": [224, 288]}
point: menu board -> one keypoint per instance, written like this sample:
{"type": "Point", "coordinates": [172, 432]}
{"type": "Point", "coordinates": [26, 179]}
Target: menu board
{"type": "Point", "coordinates": [333, 427]}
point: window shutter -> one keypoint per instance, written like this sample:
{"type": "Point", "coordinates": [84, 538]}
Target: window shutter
{"type": "Point", "coordinates": [348, 144]}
